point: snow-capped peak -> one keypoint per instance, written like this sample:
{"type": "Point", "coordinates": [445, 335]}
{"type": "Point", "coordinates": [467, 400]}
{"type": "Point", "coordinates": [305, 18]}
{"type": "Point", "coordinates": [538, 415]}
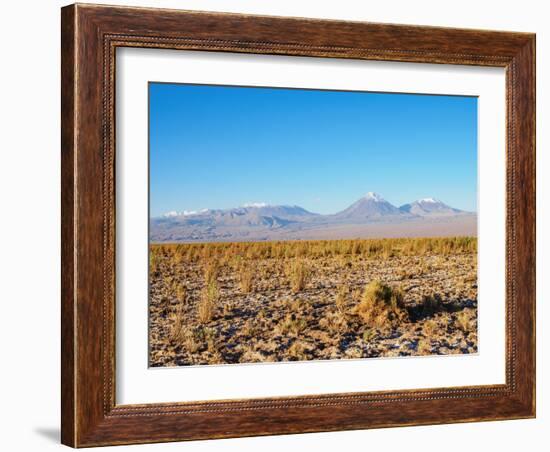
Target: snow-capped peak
{"type": "Point", "coordinates": [374, 196]}
{"type": "Point", "coordinates": [185, 213]}
{"type": "Point", "coordinates": [255, 204]}
{"type": "Point", "coordinates": [431, 200]}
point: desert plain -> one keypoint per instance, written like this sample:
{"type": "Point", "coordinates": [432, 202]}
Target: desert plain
{"type": "Point", "coordinates": [260, 302]}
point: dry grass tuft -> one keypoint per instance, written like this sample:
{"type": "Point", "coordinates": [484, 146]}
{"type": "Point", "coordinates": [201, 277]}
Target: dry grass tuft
{"type": "Point", "coordinates": [297, 351]}
{"type": "Point", "coordinates": [154, 261]}
{"type": "Point", "coordinates": [228, 307]}
{"type": "Point", "coordinates": [354, 353]}
{"type": "Point", "coordinates": [199, 338]}
{"type": "Point", "coordinates": [190, 342]}
{"type": "Point", "coordinates": [369, 334]}
{"type": "Point", "coordinates": [246, 278]}
{"type": "Point", "coordinates": [464, 322]}
{"type": "Point", "coordinates": [429, 328]}
{"type": "Point", "coordinates": [299, 274]}
{"type": "Point", "coordinates": [381, 306]}
{"type": "Point", "coordinates": [340, 300]}
{"type": "Point", "coordinates": [424, 347]}
{"type": "Point", "coordinates": [249, 328]}
{"type": "Point", "coordinates": [181, 294]}
{"type": "Point", "coordinates": [177, 324]}
{"type": "Point", "coordinates": [292, 325]}
{"type": "Point", "coordinates": [431, 304]}
{"type": "Point", "coordinates": [334, 322]}
{"type": "Point", "coordinates": [211, 271]}
{"type": "Point", "coordinates": [252, 356]}
{"type": "Point", "coordinates": [176, 257]}
{"type": "Point", "coordinates": [208, 302]}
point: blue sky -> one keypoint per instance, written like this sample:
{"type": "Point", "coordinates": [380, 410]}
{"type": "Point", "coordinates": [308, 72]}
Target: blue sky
{"type": "Point", "coordinates": [221, 147]}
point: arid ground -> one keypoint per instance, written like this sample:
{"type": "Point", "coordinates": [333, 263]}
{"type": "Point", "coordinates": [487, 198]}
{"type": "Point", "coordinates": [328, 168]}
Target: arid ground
{"type": "Point", "coordinates": [244, 302]}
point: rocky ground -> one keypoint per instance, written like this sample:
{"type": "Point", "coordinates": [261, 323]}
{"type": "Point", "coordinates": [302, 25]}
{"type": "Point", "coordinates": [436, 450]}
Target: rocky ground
{"type": "Point", "coordinates": [257, 314]}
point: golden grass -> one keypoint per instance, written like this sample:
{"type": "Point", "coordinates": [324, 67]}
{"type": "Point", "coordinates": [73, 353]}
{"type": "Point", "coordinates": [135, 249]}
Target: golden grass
{"type": "Point", "coordinates": [249, 328]}
{"type": "Point", "coordinates": [369, 334]}
{"type": "Point", "coordinates": [299, 274]}
{"type": "Point", "coordinates": [190, 341]}
{"type": "Point", "coordinates": [429, 328]}
{"type": "Point", "coordinates": [340, 299]}
{"type": "Point", "coordinates": [297, 351]}
{"type": "Point", "coordinates": [154, 259]}
{"type": "Point", "coordinates": [246, 278]}
{"type": "Point", "coordinates": [355, 248]}
{"type": "Point", "coordinates": [292, 324]}
{"type": "Point", "coordinates": [208, 302]}
{"type": "Point", "coordinates": [211, 270]}
{"type": "Point", "coordinates": [228, 307]}
{"type": "Point", "coordinates": [381, 306]}
{"type": "Point", "coordinates": [464, 322]}
{"type": "Point", "coordinates": [334, 322]}
{"type": "Point", "coordinates": [424, 347]}
{"type": "Point", "coordinates": [181, 293]}
{"type": "Point", "coordinates": [177, 328]}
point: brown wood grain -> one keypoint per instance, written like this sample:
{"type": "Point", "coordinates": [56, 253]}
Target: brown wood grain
{"type": "Point", "coordinates": [67, 226]}
{"type": "Point", "coordinates": [90, 36]}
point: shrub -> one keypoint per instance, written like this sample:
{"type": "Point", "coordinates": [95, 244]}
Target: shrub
{"type": "Point", "coordinates": [228, 307]}
{"type": "Point", "coordinates": [176, 257]}
{"type": "Point", "coordinates": [181, 294]}
{"type": "Point", "coordinates": [245, 279]}
{"type": "Point", "coordinates": [369, 334]}
{"type": "Point", "coordinates": [424, 347]}
{"type": "Point", "coordinates": [299, 274]}
{"type": "Point", "coordinates": [154, 261]}
{"type": "Point", "coordinates": [431, 304]}
{"type": "Point", "coordinates": [298, 306]}
{"type": "Point", "coordinates": [297, 352]}
{"type": "Point", "coordinates": [388, 252]}
{"type": "Point", "coordinates": [354, 353]}
{"type": "Point", "coordinates": [211, 271]}
{"type": "Point", "coordinates": [334, 322]}
{"type": "Point", "coordinates": [262, 315]}
{"type": "Point", "coordinates": [187, 339]}
{"type": "Point", "coordinates": [464, 322]}
{"type": "Point", "coordinates": [340, 300]}
{"type": "Point", "coordinates": [292, 324]}
{"type": "Point", "coordinates": [198, 338]}
{"type": "Point", "coordinates": [210, 338]}
{"type": "Point", "coordinates": [381, 306]}
{"type": "Point", "coordinates": [208, 301]}
{"type": "Point", "coordinates": [250, 328]}
{"type": "Point", "coordinates": [406, 273]}
{"type": "Point", "coordinates": [177, 319]}
{"type": "Point", "coordinates": [429, 328]}
{"type": "Point", "coordinates": [252, 356]}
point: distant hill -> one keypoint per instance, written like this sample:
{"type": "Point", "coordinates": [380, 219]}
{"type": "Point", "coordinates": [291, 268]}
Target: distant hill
{"type": "Point", "coordinates": [371, 206]}
{"type": "Point", "coordinates": [429, 207]}
{"type": "Point", "coordinates": [369, 216]}
{"type": "Point", "coordinates": [240, 216]}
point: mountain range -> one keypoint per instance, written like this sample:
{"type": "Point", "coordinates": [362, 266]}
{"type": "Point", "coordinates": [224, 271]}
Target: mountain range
{"type": "Point", "coordinates": [370, 216]}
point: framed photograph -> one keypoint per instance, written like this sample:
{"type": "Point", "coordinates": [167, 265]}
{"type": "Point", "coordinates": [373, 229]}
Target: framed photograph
{"type": "Point", "coordinates": [281, 225]}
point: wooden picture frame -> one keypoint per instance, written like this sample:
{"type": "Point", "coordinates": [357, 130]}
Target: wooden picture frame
{"type": "Point", "coordinates": [90, 34]}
